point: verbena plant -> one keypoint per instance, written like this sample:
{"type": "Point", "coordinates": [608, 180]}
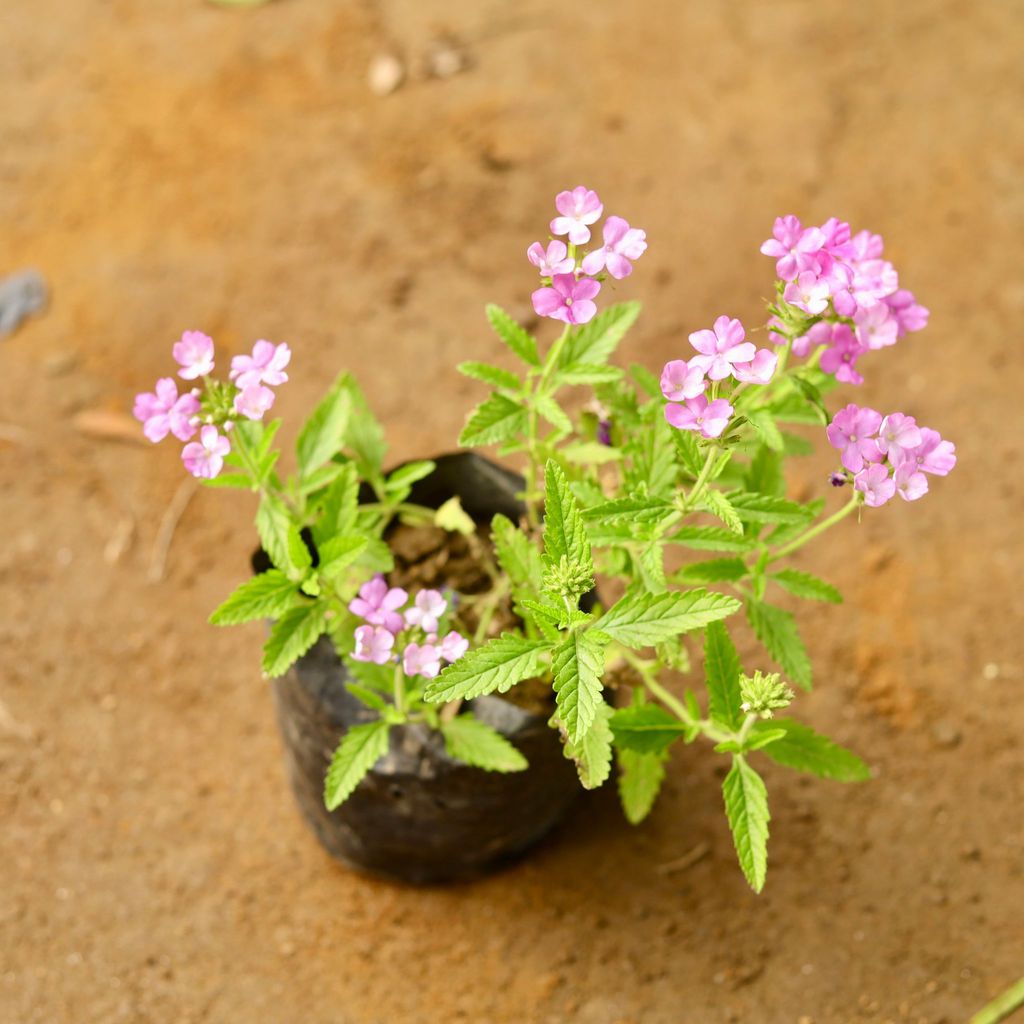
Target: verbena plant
{"type": "Point", "coordinates": [688, 462]}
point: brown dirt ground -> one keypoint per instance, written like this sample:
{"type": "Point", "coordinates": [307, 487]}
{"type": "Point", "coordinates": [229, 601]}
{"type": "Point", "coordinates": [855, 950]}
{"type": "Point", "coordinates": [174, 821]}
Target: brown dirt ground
{"type": "Point", "coordinates": [170, 164]}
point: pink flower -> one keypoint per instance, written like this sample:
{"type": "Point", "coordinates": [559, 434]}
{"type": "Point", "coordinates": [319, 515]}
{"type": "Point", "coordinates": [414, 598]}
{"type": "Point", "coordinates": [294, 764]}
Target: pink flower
{"type": "Point", "coordinates": [454, 646]}
{"type": "Point", "coordinates": [841, 356]}
{"type": "Point", "coordinates": [932, 455]}
{"type": "Point", "coordinates": [165, 412]}
{"type": "Point", "coordinates": [205, 458]}
{"type": "Point", "coordinates": [792, 246]}
{"type": "Point", "coordinates": [555, 260]}
{"type": "Point", "coordinates": [875, 484]}
{"type": "Point", "coordinates": [909, 314]}
{"type": "Point", "coordinates": [265, 365]}
{"type": "Point", "coordinates": [194, 353]}
{"type": "Point", "coordinates": [378, 604]}
{"type": "Point", "coordinates": [681, 380]}
{"type": "Point", "coordinates": [253, 401]}
{"type": "Point", "coordinates": [759, 370]}
{"type": "Point", "coordinates": [621, 244]}
{"type": "Point", "coordinates": [567, 299]}
{"type": "Point", "coordinates": [808, 292]}
{"type": "Point", "coordinates": [426, 610]}
{"type": "Point", "coordinates": [422, 660]}
{"type": "Point", "coordinates": [876, 326]}
{"type": "Point", "coordinates": [373, 643]}
{"type": "Point", "coordinates": [872, 281]}
{"type": "Point", "coordinates": [578, 208]}
{"type": "Point", "coordinates": [852, 431]}
{"type": "Point", "coordinates": [910, 483]}
{"type": "Point", "coordinates": [720, 348]}
{"type": "Point", "coordinates": [897, 435]}
{"type": "Point", "coordinates": [708, 418]}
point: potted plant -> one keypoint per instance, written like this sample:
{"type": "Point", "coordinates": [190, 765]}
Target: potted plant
{"type": "Point", "coordinates": [444, 669]}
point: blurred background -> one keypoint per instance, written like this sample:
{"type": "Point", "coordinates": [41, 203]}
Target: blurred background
{"type": "Point", "coordinates": [358, 179]}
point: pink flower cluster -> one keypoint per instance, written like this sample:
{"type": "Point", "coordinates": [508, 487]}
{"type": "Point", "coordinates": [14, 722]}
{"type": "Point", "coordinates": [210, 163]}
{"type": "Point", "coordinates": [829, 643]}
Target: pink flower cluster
{"type": "Point", "coordinates": [722, 353]}
{"type": "Point", "coordinates": [164, 411]}
{"type": "Point", "coordinates": [379, 606]}
{"type": "Point", "coordinates": [888, 455]}
{"type": "Point", "coordinates": [572, 280]}
{"type": "Point", "coordinates": [841, 278]}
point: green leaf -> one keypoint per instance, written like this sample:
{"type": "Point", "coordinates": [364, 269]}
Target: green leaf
{"type": "Point", "coordinates": [587, 453]}
{"type": "Point", "coordinates": [690, 455]}
{"type": "Point", "coordinates": [764, 424]}
{"type": "Point", "coordinates": [640, 779]}
{"type": "Point", "coordinates": [498, 665]}
{"type": "Point", "coordinates": [280, 537]}
{"type": "Point", "coordinates": [594, 342]}
{"type": "Point", "coordinates": [795, 409]}
{"type": "Point", "coordinates": [517, 339]}
{"type": "Point", "coordinates": [633, 510]}
{"type": "Point", "coordinates": [813, 396]}
{"type": "Point", "coordinates": [583, 374]}
{"type": "Point", "coordinates": [805, 750]}
{"type": "Point", "coordinates": [323, 434]}
{"type": "Point", "coordinates": [577, 667]}
{"type": "Point", "coordinates": [291, 636]}
{"type": "Point", "coordinates": [517, 556]}
{"type": "Point", "coordinates": [402, 479]}
{"type": "Point", "coordinates": [642, 620]}
{"type": "Point", "coordinates": [553, 413]}
{"type": "Point", "coordinates": [339, 553]}
{"type": "Point", "coordinates": [719, 505]}
{"type": "Point", "coordinates": [776, 629]}
{"type": "Point", "coordinates": [473, 742]}
{"type": "Point", "coordinates": [647, 380]}
{"type": "Point", "coordinates": [564, 532]}
{"type": "Point", "coordinates": [236, 480]}
{"type": "Point", "coordinates": [654, 460]}
{"type": "Point", "coordinates": [340, 504]}
{"type": "Point", "coordinates": [746, 806]}
{"type": "Point", "coordinates": [593, 753]}
{"type": "Point", "coordinates": [498, 419]}
{"type": "Point", "coordinates": [722, 670]}
{"type": "Point", "coordinates": [715, 570]}
{"type": "Point", "coordinates": [711, 538]}
{"type": "Point", "coordinates": [765, 508]}
{"type": "Point", "coordinates": [493, 375]}
{"type": "Point", "coordinates": [650, 567]}
{"type": "Point", "coordinates": [765, 473]}
{"type": "Point", "coordinates": [364, 436]}
{"type": "Point", "coordinates": [359, 750]}
{"type": "Point", "coordinates": [263, 597]}
{"type": "Point", "coordinates": [803, 584]}
{"type": "Point", "coordinates": [646, 728]}
{"type": "Point", "coordinates": [370, 698]}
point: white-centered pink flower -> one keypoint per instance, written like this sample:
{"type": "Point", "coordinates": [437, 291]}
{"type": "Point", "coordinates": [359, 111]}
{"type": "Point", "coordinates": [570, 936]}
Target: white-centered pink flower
{"type": "Point", "coordinates": [422, 660]}
{"type": "Point", "coordinates": [567, 299]}
{"type": "Point", "coordinates": [254, 401]}
{"type": "Point", "coordinates": [426, 610]}
{"type": "Point", "coordinates": [378, 604]}
{"type": "Point", "coordinates": [373, 643]}
{"type": "Point", "coordinates": [265, 365]}
{"type": "Point", "coordinates": [898, 434]}
{"type": "Point", "coordinates": [910, 482]}
{"type": "Point", "coordinates": [163, 411]}
{"type": "Point", "coordinates": [709, 419]}
{"type": "Point", "coordinates": [933, 455]}
{"type": "Point", "coordinates": [793, 247]}
{"type": "Point", "coordinates": [876, 326]}
{"type": "Point", "coordinates": [194, 354]}
{"type": "Point", "coordinates": [205, 458]}
{"type": "Point", "coordinates": [719, 349]}
{"type": "Point", "coordinates": [681, 380]}
{"type": "Point", "coordinates": [808, 292]}
{"type": "Point", "coordinates": [844, 349]}
{"type": "Point", "coordinates": [577, 210]}
{"type": "Point", "coordinates": [875, 484]}
{"type": "Point", "coordinates": [553, 260]}
{"type": "Point", "coordinates": [621, 244]}
{"type": "Point", "coordinates": [759, 370]}
{"type": "Point", "coordinates": [853, 431]}
{"type": "Point", "coordinates": [453, 646]}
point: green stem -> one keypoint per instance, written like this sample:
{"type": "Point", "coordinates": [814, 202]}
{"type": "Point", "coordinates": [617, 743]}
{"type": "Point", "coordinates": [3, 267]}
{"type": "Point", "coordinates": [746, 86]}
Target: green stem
{"type": "Point", "coordinates": [701, 480]}
{"type": "Point", "coordinates": [1002, 1006]}
{"type": "Point", "coordinates": [814, 531]}
{"type": "Point", "coordinates": [399, 686]}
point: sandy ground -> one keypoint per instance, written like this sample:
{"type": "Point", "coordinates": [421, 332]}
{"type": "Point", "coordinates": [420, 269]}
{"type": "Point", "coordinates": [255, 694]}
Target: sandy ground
{"type": "Point", "coordinates": [169, 164]}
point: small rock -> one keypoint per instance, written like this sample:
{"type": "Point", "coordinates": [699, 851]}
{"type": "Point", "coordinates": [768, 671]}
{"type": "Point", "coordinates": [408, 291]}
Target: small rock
{"type": "Point", "coordinates": [945, 734]}
{"type": "Point", "coordinates": [445, 58]}
{"type": "Point", "coordinates": [386, 74]}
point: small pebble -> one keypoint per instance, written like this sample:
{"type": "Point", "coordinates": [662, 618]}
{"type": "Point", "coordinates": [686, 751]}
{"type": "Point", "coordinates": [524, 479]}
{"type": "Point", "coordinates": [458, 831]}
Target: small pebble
{"type": "Point", "coordinates": [945, 734]}
{"type": "Point", "coordinates": [991, 671]}
{"type": "Point", "coordinates": [445, 59]}
{"type": "Point", "coordinates": [386, 74]}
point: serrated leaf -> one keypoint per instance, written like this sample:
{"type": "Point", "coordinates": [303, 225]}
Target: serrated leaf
{"type": "Point", "coordinates": [594, 342]}
{"type": "Point", "coordinates": [339, 553]}
{"type": "Point", "coordinates": [514, 336]}
{"type": "Point", "coordinates": [632, 510]}
{"type": "Point", "coordinates": [576, 668]}
{"type": "Point", "coordinates": [517, 556]}
{"type": "Point", "coordinates": [805, 750]}
{"type": "Point", "coordinates": [642, 620]}
{"type": "Point", "coordinates": [765, 473]}
{"type": "Point", "coordinates": [473, 742]}
{"type": "Point", "coordinates": [263, 597]}
{"type": "Point", "coordinates": [746, 806]}
{"type": "Point", "coordinates": [766, 508]}
{"type": "Point", "coordinates": [803, 584]}
{"type": "Point", "coordinates": [498, 665]}
{"type": "Point", "coordinates": [776, 629]}
{"type": "Point", "coordinates": [236, 480]}
{"type": "Point", "coordinates": [493, 375]}
{"type": "Point", "coordinates": [763, 422]}
{"type": "Point", "coordinates": [340, 504]}
{"type": "Point", "coordinates": [323, 434]}
{"type": "Point", "coordinates": [291, 636]}
{"type": "Point", "coordinates": [711, 538]}
{"type": "Point", "coordinates": [364, 435]}
{"type": "Point", "coordinates": [405, 476]}
{"type": "Point", "coordinates": [647, 728]}
{"type": "Point", "coordinates": [689, 453]}
{"type": "Point", "coordinates": [493, 421]}
{"type": "Point", "coordinates": [650, 567]}
{"type": "Point", "coordinates": [583, 374]}
{"type": "Point", "coordinates": [359, 750]}
{"type": "Point", "coordinates": [715, 570]}
{"type": "Point", "coordinates": [813, 397]}
{"type": "Point", "coordinates": [647, 380]}
{"type": "Point", "coordinates": [640, 779]}
{"type": "Point", "coordinates": [593, 754]}
{"type": "Point", "coordinates": [654, 460]}
{"type": "Point", "coordinates": [370, 698]}
{"type": "Point", "coordinates": [795, 409]}
{"type": "Point", "coordinates": [553, 413]}
{"type": "Point", "coordinates": [719, 505]}
{"type": "Point", "coordinates": [280, 538]}
{"type": "Point", "coordinates": [564, 532]}
{"type": "Point", "coordinates": [587, 453]}
{"type": "Point", "coordinates": [722, 670]}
